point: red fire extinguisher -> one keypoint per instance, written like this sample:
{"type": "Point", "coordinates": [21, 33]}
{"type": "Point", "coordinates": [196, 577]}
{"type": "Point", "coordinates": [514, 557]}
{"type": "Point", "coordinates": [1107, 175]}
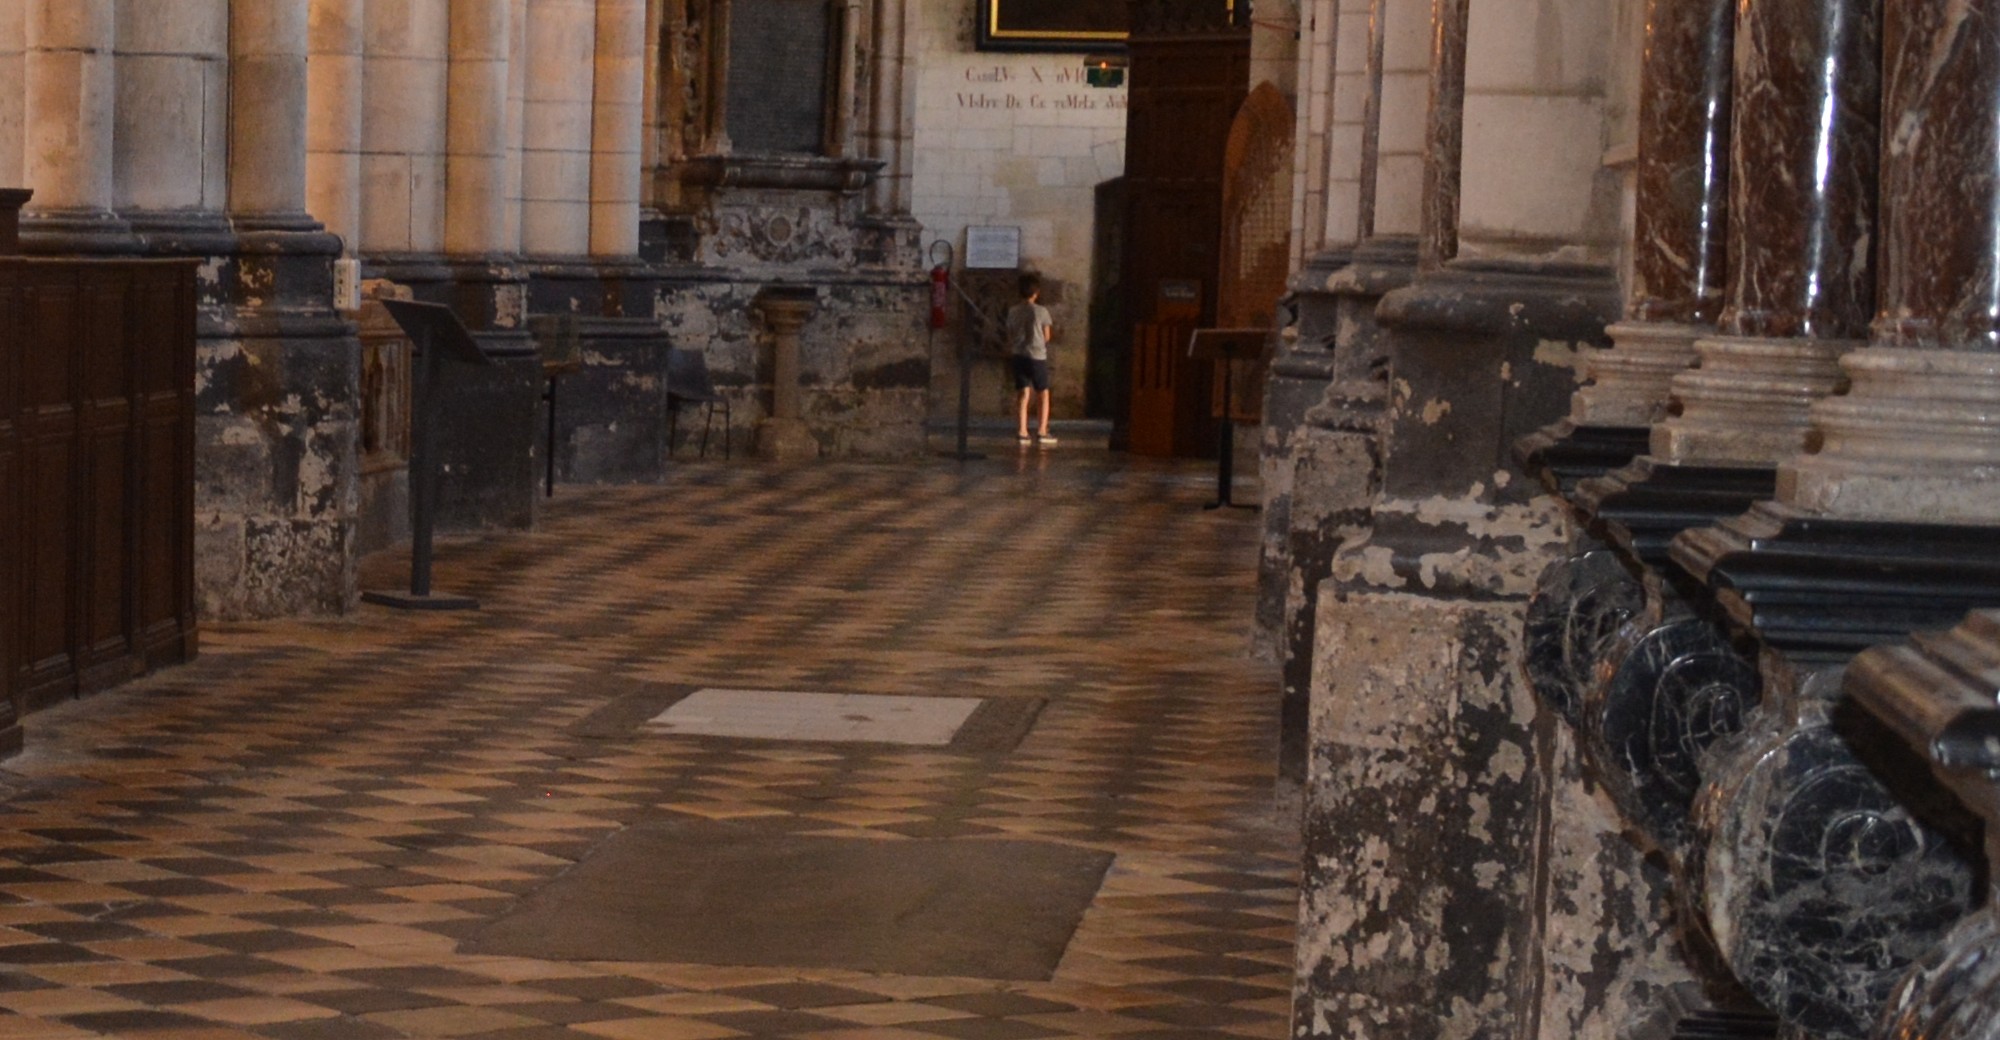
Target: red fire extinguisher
{"type": "Point", "coordinates": [940, 296]}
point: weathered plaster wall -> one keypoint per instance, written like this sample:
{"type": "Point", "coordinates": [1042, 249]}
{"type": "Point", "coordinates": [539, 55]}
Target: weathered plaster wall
{"type": "Point", "coordinates": [1013, 139]}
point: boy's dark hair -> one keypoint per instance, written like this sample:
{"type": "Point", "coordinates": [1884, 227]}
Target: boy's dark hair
{"type": "Point", "coordinates": [1031, 283]}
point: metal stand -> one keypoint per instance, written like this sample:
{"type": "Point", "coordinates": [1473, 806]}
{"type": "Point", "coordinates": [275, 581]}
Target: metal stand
{"type": "Point", "coordinates": [965, 453]}
{"type": "Point", "coordinates": [434, 331]}
{"type": "Point", "coordinates": [1227, 346]}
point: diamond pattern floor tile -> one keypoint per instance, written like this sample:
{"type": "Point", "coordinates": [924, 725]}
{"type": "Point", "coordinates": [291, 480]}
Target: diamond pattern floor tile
{"type": "Point", "coordinates": [290, 838]}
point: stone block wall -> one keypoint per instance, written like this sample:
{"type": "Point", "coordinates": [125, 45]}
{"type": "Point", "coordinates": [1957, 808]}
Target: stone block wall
{"type": "Point", "coordinates": [1020, 140]}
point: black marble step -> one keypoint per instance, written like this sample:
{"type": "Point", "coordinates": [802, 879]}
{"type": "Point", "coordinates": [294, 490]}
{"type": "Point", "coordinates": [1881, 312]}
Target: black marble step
{"type": "Point", "coordinates": [1565, 454]}
{"type": "Point", "coordinates": [1826, 589]}
{"type": "Point", "coordinates": [1641, 507]}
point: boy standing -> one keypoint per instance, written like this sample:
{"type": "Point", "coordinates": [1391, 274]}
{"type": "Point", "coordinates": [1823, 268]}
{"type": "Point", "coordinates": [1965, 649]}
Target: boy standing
{"type": "Point", "coordinates": [1028, 331]}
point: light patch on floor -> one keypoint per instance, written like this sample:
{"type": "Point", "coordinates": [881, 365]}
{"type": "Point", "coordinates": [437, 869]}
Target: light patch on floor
{"type": "Point", "coordinates": [829, 717]}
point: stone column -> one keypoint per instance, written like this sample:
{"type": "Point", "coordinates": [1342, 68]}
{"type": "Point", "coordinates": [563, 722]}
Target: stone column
{"type": "Point", "coordinates": [333, 117]}
{"type": "Point", "coordinates": [267, 113]}
{"type": "Point", "coordinates": [13, 91]}
{"type": "Point", "coordinates": [403, 127]}
{"type": "Point", "coordinates": [1444, 135]}
{"type": "Point", "coordinates": [889, 131]}
{"type": "Point", "coordinates": [68, 103]}
{"type": "Point", "coordinates": [784, 436]}
{"type": "Point", "coordinates": [276, 462]}
{"type": "Point", "coordinates": [517, 109]}
{"type": "Point", "coordinates": [171, 127]}
{"type": "Point", "coordinates": [1680, 218]}
{"type": "Point", "coordinates": [556, 152]}
{"type": "Point", "coordinates": [1416, 708]}
{"type": "Point", "coordinates": [476, 136]}
{"type": "Point", "coordinates": [1802, 233]}
{"type": "Point", "coordinates": [616, 123]}
{"type": "Point", "coordinates": [1917, 439]}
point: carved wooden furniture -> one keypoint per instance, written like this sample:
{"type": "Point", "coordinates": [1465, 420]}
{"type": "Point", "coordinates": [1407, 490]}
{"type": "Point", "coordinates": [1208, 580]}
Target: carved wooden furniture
{"type": "Point", "coordinates": [97, 405]}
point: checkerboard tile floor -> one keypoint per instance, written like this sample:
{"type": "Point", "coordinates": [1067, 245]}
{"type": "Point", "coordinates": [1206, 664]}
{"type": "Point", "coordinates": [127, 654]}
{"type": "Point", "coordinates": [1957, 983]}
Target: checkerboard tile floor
{"type": "Point", "coordinates": [289, 838]}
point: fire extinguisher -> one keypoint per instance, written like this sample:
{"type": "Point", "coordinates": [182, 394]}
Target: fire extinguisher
{"type": "Point", "coordinates": [940, 296]}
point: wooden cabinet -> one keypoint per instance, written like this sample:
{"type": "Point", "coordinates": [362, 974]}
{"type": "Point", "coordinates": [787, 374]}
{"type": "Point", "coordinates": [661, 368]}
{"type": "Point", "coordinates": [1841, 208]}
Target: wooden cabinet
{"type": "Point", "coordinates": [96, 475]}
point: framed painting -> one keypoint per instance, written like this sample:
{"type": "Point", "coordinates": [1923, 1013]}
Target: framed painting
{"type": "Point", "coordinates": [1052, 25]}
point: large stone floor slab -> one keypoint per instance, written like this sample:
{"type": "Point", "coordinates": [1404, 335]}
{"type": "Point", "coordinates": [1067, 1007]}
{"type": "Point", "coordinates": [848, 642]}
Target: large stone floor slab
{"type": "Point", "coordinates": [713, 893]}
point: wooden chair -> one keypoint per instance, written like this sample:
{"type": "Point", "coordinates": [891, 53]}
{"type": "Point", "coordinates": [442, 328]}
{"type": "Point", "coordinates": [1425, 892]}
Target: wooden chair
{"type": "Point", "coordinates": [688, 382]}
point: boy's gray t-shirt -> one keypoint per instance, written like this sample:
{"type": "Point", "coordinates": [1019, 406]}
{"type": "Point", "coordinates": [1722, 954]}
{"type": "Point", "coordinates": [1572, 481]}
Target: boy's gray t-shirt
{"type": "Point", "coordinates": [1027, 330]}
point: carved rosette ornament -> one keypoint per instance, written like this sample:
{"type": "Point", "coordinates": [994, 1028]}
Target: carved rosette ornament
{"type": "Point", "coordinates": [1670, 694]}
{"type": "Point", "coordinates": [1817, 883]}
{"type": "Point", "coordinates": [1578, 608]}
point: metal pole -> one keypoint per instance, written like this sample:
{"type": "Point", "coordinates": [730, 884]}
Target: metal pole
{"type": "Point", "coordinates": [423, 468]}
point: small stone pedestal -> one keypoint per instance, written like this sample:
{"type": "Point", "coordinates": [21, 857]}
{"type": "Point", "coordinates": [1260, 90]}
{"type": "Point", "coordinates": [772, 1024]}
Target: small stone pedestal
{"type": "Point", "coordinates": [784, 437]}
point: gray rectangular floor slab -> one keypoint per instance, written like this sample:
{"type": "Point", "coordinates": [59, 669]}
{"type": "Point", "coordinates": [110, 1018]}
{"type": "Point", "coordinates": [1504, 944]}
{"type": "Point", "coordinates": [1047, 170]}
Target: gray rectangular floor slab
{"type": "Point", "coordinates": [718, 893]}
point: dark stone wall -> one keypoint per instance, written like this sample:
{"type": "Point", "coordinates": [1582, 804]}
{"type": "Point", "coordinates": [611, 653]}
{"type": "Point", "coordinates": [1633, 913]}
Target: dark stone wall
{"type": "Point", "coordinates": [1460, 880]}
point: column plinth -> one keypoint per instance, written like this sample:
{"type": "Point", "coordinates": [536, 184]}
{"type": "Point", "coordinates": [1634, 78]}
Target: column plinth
{"type": "Point", "coordinates": [784, 436]}
{"type": "Point", "coordinates": [1750, 400]}
{"type": "Point", "coordinates": [1679, 246]}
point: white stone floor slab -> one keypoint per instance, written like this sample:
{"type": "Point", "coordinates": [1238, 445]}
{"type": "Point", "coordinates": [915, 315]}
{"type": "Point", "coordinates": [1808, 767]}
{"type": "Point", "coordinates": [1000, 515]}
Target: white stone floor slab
{"type": "Point", "coordinates": [829, 717]}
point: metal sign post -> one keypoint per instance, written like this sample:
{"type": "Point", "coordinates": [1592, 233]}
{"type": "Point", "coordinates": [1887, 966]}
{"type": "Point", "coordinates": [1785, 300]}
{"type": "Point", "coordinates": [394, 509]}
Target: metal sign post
{"type": "Point", "coordinates": [438, 336]}
{"type": "Point", "coordinates": [1227, 346]}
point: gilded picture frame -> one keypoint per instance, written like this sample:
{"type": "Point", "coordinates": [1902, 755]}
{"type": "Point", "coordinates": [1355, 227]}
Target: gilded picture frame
{"type": "Point", "coordinates": [1052, 25]}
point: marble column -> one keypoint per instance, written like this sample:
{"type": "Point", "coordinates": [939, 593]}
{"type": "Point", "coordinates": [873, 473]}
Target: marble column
{"type": "Point", "coordinates": [333, 117]}
{"type": "Point", "coordinates": [171, 127]}
{"type": "Point", "coordinates": [1802, 233]}
{"type": "Point", "coordinates": [617, 109]}
{"type": "Point", "coordinates": [1917, 439]}
{"type": "Point", "coordinates": [649, 107]}
{"type": "Point", "coordinates": [68, 113]}
{"type": "Point", "coordinates": [556, 150]}
{"type": "Point", "coordinates": [889, 132]}
{"type": "Point", "coordinates": [477, 131]}
{"type": "Point", "coordinates": [1680, 218]}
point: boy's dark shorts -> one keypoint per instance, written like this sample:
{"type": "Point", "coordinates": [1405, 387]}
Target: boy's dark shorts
{"type": "Point", "coordinates": [1030, 372]}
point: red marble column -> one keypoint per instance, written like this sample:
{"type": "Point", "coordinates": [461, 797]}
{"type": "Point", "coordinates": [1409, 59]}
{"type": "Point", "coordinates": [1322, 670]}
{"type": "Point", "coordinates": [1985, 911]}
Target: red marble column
{"type": "Point", "coordinates": [1805, 160]}
{"type": "Point", "coordinates": [1682, 205]}
{"type": "Point", "coordinates": [1918, 438]}
{"type": "Point", "coordinates": [1804, 166]}
{"type": "Point", "coordinates": [1683, 170]}
{"type": "Point", "coordinates": [1941, 176]}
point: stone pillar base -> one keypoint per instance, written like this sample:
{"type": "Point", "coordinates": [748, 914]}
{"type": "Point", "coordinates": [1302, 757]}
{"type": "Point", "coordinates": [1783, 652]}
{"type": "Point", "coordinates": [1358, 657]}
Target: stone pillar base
{"type": "Point", "coordinates": [89, 232]}
{"type": "Point", "coordinates": [786, 440]}
{"type": "Point", "coordinates": [1917, 440]}
{"type": "Point", "coordinates": [1632, 383]}
{"type": "Point", "coordinates": [1749, 404]}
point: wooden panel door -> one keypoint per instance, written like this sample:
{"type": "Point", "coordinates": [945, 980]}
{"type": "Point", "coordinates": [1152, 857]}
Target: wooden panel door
{"type": "Point", "coordinates": [50, 308]}
{"type": "Point", "coordinates": [10, 512]}
{"type": "Point", "coordinates": [162, 594]}
{"type": "Point", "coordinates": [1187, 84]}
{"type": "Point", "coordinates": [107, 333]}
